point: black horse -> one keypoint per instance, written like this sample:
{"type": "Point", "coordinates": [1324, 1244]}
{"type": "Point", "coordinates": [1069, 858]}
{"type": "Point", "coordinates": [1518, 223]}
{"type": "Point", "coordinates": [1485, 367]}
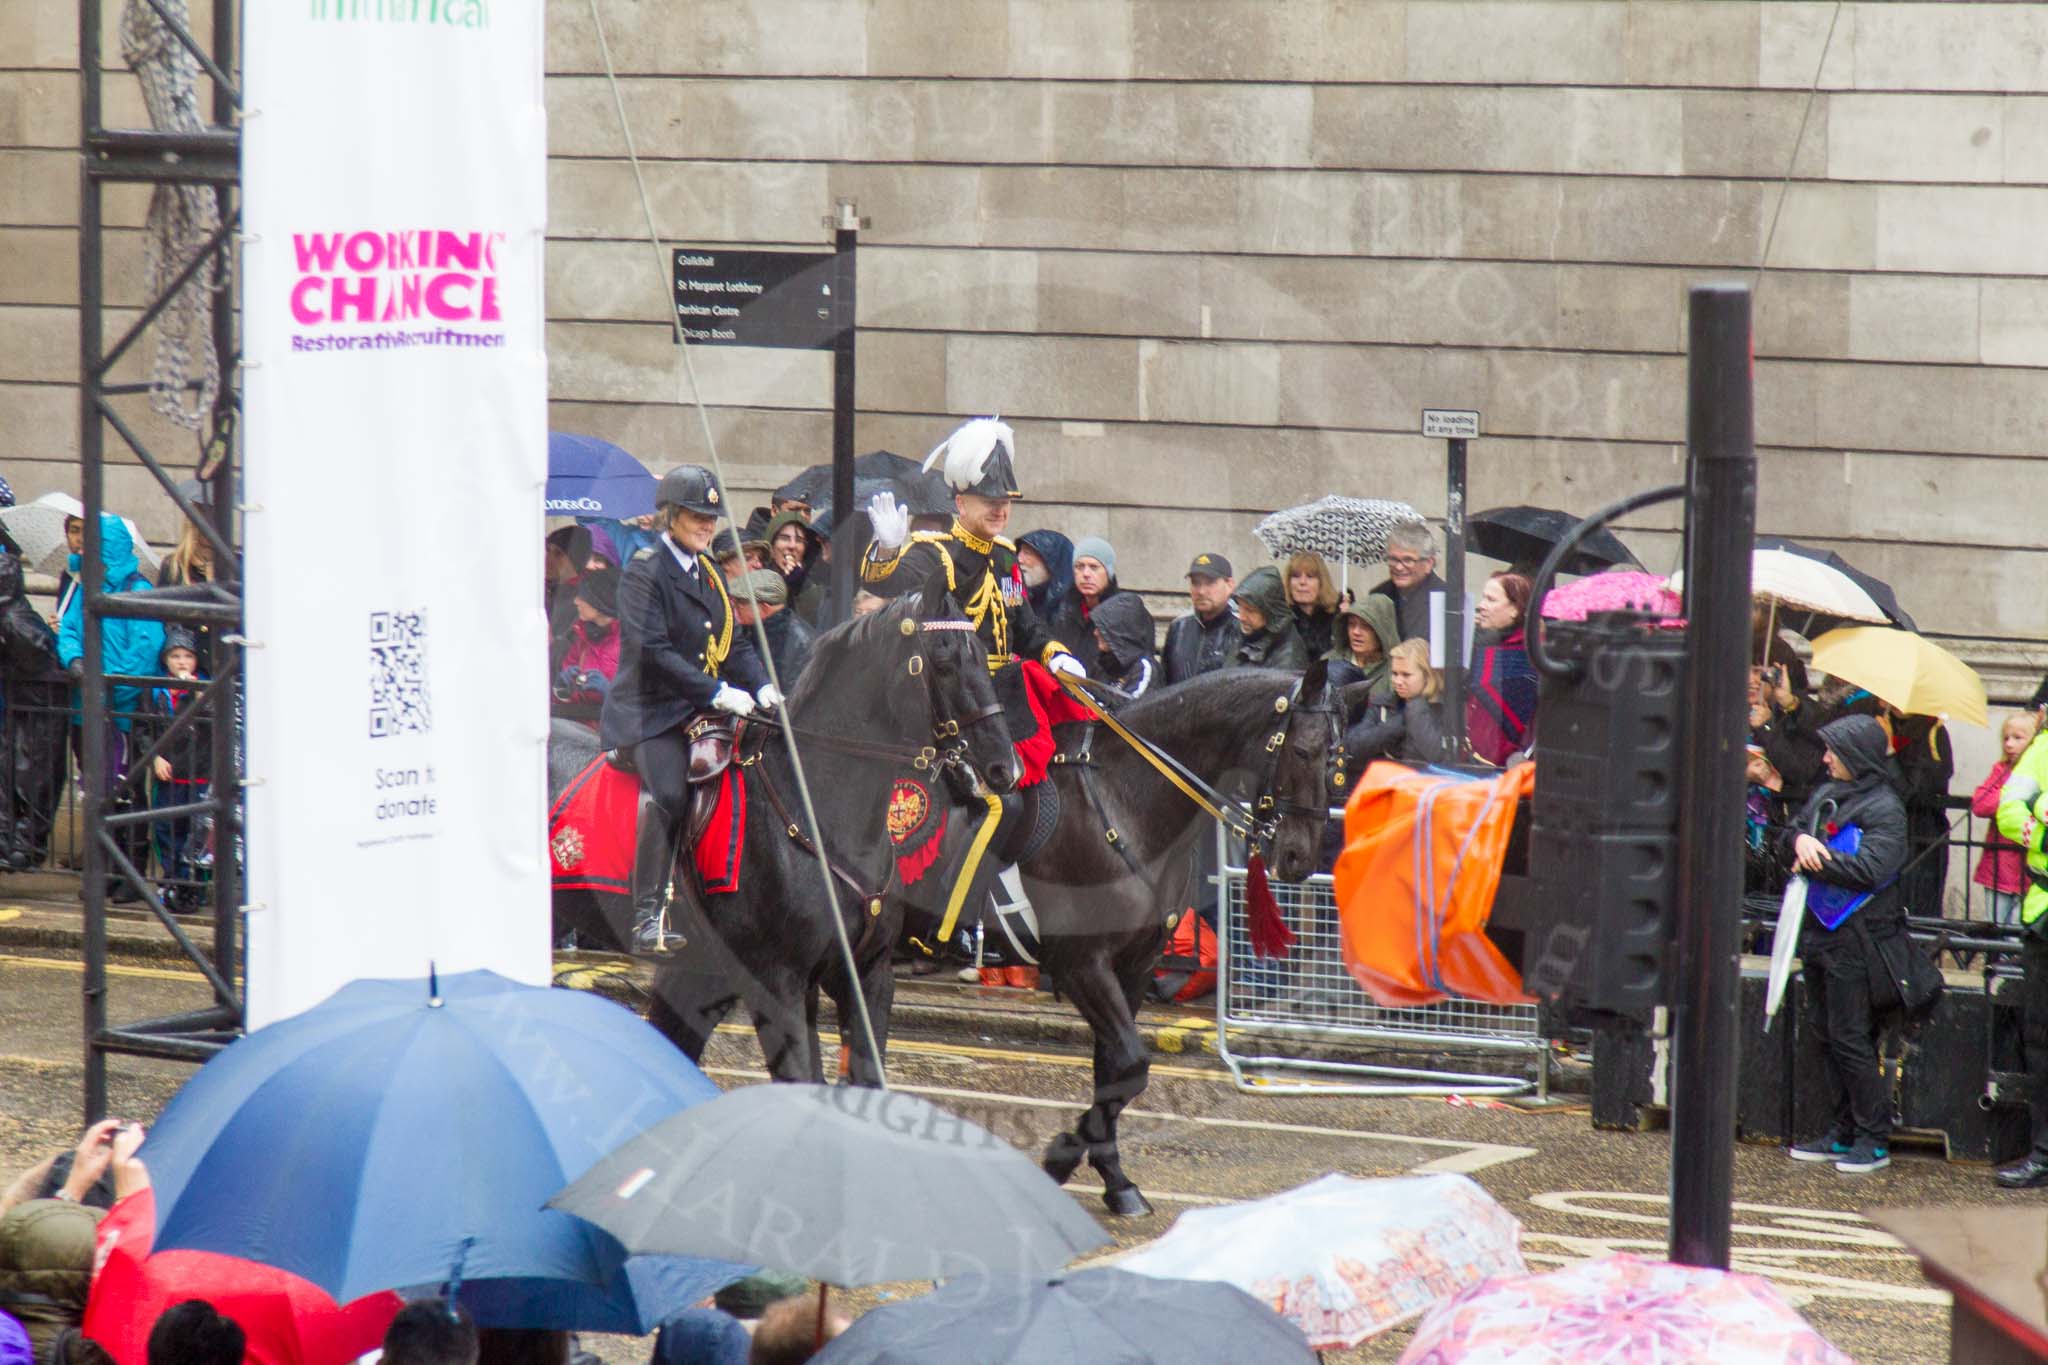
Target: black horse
{"type": "Point", "coordinates": [892, 704]}
{"type": "Point", "coordinates": [1118, 862]}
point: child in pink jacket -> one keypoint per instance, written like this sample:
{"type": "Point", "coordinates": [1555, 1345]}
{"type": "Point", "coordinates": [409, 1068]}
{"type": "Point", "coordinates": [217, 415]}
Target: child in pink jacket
{"type": "Point", "coordinates": [2001, 871]}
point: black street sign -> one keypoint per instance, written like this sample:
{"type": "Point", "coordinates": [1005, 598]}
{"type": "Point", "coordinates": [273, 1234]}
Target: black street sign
{"type": "Point", "coordinates": [755, 298]}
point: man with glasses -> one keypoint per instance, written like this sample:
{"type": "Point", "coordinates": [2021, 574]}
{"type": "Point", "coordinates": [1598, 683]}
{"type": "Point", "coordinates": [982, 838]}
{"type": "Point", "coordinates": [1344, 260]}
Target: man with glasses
{"type": "Point", "coordinates": [1411, 577]}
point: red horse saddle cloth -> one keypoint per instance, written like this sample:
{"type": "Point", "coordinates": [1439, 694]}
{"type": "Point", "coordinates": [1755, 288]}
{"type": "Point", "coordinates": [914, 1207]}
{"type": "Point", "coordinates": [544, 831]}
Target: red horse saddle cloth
{"type": "Point", "coordinates": [593, 824]}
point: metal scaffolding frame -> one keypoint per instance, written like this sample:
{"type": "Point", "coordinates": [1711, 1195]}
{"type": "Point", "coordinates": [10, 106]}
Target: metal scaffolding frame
{"type": "Point", "coordinates": [111, 157]}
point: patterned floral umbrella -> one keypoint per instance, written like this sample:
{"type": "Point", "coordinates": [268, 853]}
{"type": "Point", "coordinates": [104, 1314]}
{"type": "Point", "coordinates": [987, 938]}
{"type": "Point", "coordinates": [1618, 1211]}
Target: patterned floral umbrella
{"type": "Point", "coordinates": [1621, 1309]}
{"type": "Point", "coordinates": [1621, 590]}
{"type": "Point", "coordinates": [1345, 1259]}
{"type": "Point", "coordinates": [1341, 530]}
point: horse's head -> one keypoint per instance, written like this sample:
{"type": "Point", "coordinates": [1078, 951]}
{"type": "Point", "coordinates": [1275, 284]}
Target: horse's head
{"type": "Point", "coordinates": [1307, 775]}
{"type": "Point", "coordinates": [967, 720]}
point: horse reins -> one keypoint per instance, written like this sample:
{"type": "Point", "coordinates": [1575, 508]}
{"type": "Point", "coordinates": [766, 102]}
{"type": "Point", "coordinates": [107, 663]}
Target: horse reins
{"type": "Point", "coordinates": [947, 751]}
{"type": "Point", "coordinates": [949, 733]}
{"type": "Point", "coordinates": [1239, 818]}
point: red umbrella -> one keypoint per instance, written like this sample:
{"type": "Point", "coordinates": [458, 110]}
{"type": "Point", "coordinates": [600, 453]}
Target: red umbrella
{"type": "Point", "coordinates": [286, 1320]}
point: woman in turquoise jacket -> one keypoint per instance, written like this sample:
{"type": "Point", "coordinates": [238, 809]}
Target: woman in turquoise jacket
{"type": "Point", "coordinates": [126, 646]}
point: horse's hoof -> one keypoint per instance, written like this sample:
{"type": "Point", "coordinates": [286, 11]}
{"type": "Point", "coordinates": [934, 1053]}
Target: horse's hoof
{"type": "Point", "coordinates": [1063, 1157]}
{"type": "Point", "coordinates": [1127, 1202]}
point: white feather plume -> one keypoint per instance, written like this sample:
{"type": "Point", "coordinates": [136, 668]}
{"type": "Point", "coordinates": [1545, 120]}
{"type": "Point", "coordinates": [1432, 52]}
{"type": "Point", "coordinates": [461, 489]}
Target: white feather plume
{"type": "Point", "coordinates": [967, 450]}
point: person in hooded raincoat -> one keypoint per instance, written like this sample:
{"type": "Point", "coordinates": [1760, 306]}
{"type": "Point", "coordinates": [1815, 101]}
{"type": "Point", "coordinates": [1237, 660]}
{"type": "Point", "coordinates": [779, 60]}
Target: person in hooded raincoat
{"type": "Point", "coordinates": [1046, 559]}
{"type": "Point", "coordinates": [36, 722]}
{"type": "Point", "coordinates": [797, 552]}
{"type": "Point", "coordinates": [183, 770]}
{"type": "Point", "coordinates": [1270, 639]}
{"type": "Point", "coordinates": [1365, 635]}
{"type": "Point", "coordinates": [1410, 724]}
{"type": "Point", "coordinates": [127, 646]}
{"type": "Point", "coordinates": [1837, 964]}
{"type": "Point", "coordinates": [1126, 635]}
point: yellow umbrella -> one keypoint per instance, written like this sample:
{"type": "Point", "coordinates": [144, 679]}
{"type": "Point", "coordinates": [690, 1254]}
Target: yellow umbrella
{"type": "Point", "coordinates": [1915, 675]}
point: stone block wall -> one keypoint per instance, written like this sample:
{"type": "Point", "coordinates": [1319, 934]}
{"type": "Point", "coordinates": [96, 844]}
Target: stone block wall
{"type": "Point", "coordinates": [1211, 257]}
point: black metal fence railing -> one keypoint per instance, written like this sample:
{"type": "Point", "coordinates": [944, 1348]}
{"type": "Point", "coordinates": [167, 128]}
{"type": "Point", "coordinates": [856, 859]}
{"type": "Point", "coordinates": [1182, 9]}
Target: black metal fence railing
{"type": "Point", "coordinates": [1976, 901]}
{"type": "Point", "coordinates": [158, 754]}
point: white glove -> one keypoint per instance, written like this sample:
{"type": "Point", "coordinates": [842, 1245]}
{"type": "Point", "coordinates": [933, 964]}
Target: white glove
{"type": "Point", "coordinates": [769, 697]}
{"type": "Point", "coordinates": [891, 523]}
{"type": "Point", "coordinates": [1068, 664]}
{"type": "Point", "coordinates": [732, 700]}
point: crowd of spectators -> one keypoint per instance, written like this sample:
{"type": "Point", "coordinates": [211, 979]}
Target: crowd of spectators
{"type": "Point", "coordinates": [1281, 615]}
{"type": "Point", "coordinates": [68, 1223]}
{"type": "Point", "coordinates": [42, 658]}
{"type": "Point", "coordinates": [1786, 764]}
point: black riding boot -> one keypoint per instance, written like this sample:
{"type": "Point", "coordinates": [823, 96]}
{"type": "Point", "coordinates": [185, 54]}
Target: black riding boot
{"type": "Point", "coordinates": [654, 854]}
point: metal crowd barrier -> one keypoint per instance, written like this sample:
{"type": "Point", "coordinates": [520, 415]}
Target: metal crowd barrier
{"type": "Point", "coordinates": [1308, 998]}
{"type": "Point", "coordinates": [39, 796]}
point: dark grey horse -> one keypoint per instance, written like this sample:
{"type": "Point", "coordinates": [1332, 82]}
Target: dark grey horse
{"type": "Point", "coordinates": [900, 695]}
{"type": "Point", "coordinates": [1119, 859]}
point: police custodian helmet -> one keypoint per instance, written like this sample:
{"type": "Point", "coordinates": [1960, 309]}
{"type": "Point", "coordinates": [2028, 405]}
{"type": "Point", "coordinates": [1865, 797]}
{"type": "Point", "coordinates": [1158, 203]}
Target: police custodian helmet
{"type": "Point", "coordinates": [692, 488]}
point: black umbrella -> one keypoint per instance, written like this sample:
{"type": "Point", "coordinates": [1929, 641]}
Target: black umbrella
{"type": "Point", "coordinates": [1105, 1317]}
{"type": "Point", "coordinates": [925, 494]}
{"type": "Point", "coordinates": [1526, 535]}
{"type": "Point", "coordinates": [846, 1185]}
{"type": "Point", "coordinates": [1879, 590]}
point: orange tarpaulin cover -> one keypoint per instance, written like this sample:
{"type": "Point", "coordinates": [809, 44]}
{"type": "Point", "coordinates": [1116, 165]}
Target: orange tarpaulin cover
{"type": "Point", "coordinates": [1415, 883]}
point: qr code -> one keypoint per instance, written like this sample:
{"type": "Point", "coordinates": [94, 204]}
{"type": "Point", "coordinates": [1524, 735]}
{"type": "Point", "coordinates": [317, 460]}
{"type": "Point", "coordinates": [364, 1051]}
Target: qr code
{"type": "Point", "coordinates": [398, 674]}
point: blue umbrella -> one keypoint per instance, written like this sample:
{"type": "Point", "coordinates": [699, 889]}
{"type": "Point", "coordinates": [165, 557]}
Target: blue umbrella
{"type": "Point", "coordinates": [592, 478]}
{"type": "Point", "coordinates": [405, 1133]}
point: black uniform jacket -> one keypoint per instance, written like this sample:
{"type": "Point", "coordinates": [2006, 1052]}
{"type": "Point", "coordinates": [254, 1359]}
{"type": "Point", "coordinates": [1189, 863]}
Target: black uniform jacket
{"type": "Point", "coordinates": [677, 642]}
{"type": "Point", "coordinates": [985, 581]}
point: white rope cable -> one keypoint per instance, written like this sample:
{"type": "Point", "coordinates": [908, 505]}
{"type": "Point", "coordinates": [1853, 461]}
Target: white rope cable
{"type": "Point", "coordinates": [694, 396]}
{"type": "Point", "coordinates": [1792, 162]}
{"type": "Point", "coordinates": [182, 219]}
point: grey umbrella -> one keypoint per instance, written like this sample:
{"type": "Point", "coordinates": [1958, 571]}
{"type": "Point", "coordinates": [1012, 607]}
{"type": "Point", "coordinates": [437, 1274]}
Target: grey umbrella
{"type": "Point", "coordinates": [846, 1185]}
{"type": "Point", "coordinates": [1105, 1317]}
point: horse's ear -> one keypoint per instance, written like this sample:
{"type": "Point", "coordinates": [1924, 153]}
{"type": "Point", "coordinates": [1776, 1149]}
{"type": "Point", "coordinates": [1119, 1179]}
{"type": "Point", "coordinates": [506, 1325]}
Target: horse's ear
{"type": "Point", "coordinates": [1315, 684]}
{"type": "Point", "coordinates": [1354, 695]}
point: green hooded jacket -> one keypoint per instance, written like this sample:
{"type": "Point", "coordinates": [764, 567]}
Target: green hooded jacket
{"type": "Point", "coordinates": [1377, 612]}
{"type": "Point", "coordinates": [1279, 644]}
{"type": "Point", "coordinates": [807, 585]}
{"type": "Point", "coordinates": [46, 1252]}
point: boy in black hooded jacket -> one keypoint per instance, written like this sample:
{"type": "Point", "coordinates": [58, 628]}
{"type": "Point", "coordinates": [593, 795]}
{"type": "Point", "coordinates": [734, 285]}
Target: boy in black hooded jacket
{"type": "Point", "coordinates": [1838, 962]}
{"type": "Point", "coordinates": [185, 768]}
{"type": "Point", "coordinates": [1125, 633]}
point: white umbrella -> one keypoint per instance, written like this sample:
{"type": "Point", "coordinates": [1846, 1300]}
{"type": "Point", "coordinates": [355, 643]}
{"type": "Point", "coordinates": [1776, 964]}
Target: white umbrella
{"type": "Point", "coordinates": [1784, 946]}
{"type": "Point", "coordinates": [1795, 583]}
{"type": "Point", "coordinates": [1345, 530]}
{"type": "Point", "coordinates": [37, 529]}
{"type": "Point", "coordinates": [1345, 1259]}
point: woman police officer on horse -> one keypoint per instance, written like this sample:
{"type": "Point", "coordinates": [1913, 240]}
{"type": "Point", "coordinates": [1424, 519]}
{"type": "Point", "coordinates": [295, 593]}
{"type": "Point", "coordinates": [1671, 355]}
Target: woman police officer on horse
{"type": "Point", "coordinates": [681, 653]}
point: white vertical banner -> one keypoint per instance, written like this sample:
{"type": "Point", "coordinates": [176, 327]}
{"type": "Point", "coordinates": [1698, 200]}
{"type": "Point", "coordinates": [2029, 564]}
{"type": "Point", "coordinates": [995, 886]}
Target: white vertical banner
{"type": "Point", "coordinates": [394, 201]}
